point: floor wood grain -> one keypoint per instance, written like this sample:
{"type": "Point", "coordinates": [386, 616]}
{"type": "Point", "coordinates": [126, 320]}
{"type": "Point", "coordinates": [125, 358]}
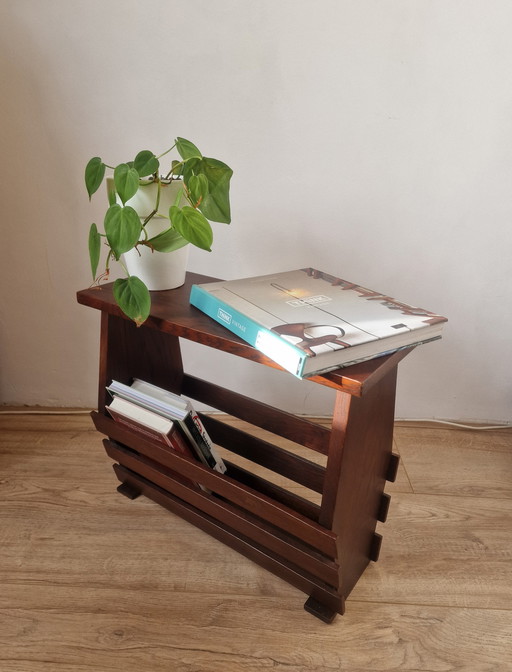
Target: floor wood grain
{"type": "Point", "coordinates": [91, 582]}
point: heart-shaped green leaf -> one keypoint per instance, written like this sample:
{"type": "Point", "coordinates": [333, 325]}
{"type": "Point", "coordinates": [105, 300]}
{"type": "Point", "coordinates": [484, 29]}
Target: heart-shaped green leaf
{"type": "Point", "coordinates": [187, 149]}
{"type": "Point", "coordinates": [133, 297]}
{"type": "Point", "coordinates": [146, 163]}
{"type": "Point", "coordinates": [190, 167]}
{"type": "Point", "coordinates": [123, 228]}
{"type": "Point", "coordinates": [126, 180]}
{"type": "Point", "coordinates": [94, 173]}
{"type": "Point", "coordinates": [192, 225]}
{"type": "Point", "coordinates": [94, 248]}
{"type": "Point", "coordinates": [167, 241]}
{"type": "Point", "coordinates": [111, 192]}
{"type": "Point", "coordinates": [198, 189]}
{"type": "Point", "coordinates": [215, 206]}
{"type": "Point", "coordinates": [176, 167]}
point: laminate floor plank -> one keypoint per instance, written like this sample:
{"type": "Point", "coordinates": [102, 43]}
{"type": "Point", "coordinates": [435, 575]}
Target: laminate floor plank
{"type": "Point", "coordinates": [451, 551]}
{"type": "Point", "coordinates": [448, 462]}
{"type": "Point", "coordinates": [93, 582]}
{"type": "Point", "coordinates": [112, 630]}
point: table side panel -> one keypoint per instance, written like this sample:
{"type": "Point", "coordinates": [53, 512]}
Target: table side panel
{"type": "Point", "coordinates": [366, 452]}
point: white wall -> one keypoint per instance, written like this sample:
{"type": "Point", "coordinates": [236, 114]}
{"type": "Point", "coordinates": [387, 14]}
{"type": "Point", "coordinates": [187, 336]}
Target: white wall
{"type": "Point", "coordinates": [369, 138]}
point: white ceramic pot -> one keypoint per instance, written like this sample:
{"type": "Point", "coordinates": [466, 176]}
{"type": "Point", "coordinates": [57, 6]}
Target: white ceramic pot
{"type": "Point", "coordinates": [144, 200]}
{"type": "Point", "coordinates": [157, 270]}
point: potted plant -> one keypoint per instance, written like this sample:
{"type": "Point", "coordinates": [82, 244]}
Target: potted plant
{"type": "Point", "coordinates": [153, 215]}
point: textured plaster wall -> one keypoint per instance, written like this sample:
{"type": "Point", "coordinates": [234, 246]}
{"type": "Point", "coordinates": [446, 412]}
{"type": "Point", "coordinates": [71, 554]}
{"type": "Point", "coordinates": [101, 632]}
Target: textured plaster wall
{"type": "Point", "coordinates": [369, 138]}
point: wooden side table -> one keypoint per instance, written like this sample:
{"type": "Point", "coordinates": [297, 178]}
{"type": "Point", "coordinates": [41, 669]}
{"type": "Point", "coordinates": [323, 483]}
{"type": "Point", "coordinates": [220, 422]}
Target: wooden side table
{"type": "Point", "coordinates": [321, 549]}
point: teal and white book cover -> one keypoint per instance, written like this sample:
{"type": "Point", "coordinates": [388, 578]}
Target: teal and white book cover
{"type": "Point", "coordinates": [310, 322]}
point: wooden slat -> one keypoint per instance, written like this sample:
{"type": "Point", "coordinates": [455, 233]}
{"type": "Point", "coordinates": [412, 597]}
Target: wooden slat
{"type": "Point", "coordinates": [273, 512]}
{"type": "Point", "coordinates": [277, 565]}
{"type": "Point", "coordinates": [266, 454]}
{"type": "Point", "coordinates": [275, 492]}
{"type": "Point", "coordinates": [254, 482]}
{"type": "Point", "coordinates": [262, 415]}
{"type": "Point", "coordinates": [237, 519]}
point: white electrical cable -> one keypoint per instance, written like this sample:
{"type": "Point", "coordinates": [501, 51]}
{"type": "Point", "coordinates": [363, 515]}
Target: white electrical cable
{"type": "Point", "coordinates": [455, 424]}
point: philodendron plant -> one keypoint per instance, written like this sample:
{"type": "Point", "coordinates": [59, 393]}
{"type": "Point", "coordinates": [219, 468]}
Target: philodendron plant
{"type": "Point", "coordinates": [205, 187]}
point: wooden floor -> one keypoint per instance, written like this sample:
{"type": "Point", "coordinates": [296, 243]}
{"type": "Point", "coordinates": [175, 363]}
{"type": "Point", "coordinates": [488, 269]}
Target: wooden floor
{"type": "Point", "coordinates": [92, 582]}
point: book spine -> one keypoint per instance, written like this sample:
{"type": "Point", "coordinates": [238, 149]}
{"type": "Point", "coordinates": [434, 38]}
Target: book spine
{"type": "Point", "coordinates": [205, 437]}
{"type": "Point", "coordinates": [179, 442]}
{"type": "Point", "coordinates": [204, 452]}
{"type": "Point", "coordinates": [182, 445]}
{"type": "Point", "coordinates": [263, 339]}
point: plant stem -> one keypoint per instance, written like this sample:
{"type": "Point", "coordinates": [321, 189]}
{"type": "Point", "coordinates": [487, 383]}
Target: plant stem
{"type": "Point", "coordinates": [107, 262]}
{"type": "Point", "coordinates": [158, 192]}
{"type": "Point", "coordinates": [150, 216]}
{"type": "Point", "coordinates": [166, 152]}
{"type": "Point", "coordinates": [173, 170]}
{"type": "Point", "coordinates": [124, 267]}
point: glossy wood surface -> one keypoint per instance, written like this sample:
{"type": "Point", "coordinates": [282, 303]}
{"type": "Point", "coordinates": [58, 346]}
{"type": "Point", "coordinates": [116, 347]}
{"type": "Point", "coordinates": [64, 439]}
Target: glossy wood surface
{"type": "Point", "coordinates": [171, 313]}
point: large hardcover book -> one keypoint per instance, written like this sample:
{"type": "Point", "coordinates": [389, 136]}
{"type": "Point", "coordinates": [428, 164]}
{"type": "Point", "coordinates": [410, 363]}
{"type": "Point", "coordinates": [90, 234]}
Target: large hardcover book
{"type": "Point", "coordinates": [310, 322]}
{"type": "Point", "coordinates": [176, 408]}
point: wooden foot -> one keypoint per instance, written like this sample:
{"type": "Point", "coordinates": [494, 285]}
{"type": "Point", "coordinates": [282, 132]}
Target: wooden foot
{"type": "Point", "coordinates": [128, 491]}
{"type": "Point", "coordinates": [325, 614]}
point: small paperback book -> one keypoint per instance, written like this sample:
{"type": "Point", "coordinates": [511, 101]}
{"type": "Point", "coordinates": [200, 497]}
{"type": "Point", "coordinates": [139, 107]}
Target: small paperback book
{"type": "Point", "coordinates": [310, 322]}
{"type": "Point", "coordinates": [153, 426]}
{"type": "Point", "coordinates": [174, 407]}
{"type": "Point", "coordinates": [145, 422]}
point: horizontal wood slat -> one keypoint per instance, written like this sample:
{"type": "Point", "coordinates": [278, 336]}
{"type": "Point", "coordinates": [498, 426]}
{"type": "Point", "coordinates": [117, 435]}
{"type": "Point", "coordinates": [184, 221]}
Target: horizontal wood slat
{"type": "Point", "coordinates": [276, 492]}
{"type": "Point", "coordinates": [237, 519]}
{"type": "Point", "coordinates": [301, 431]}
{"type": "Point", "coordinates": [278, 565]}
{"type": "Point", "coordinates": [266, 454]}
{"type": "Point", "coordinates": [275, 513]}
{"type": "Point", "coordinates": [165, 456]}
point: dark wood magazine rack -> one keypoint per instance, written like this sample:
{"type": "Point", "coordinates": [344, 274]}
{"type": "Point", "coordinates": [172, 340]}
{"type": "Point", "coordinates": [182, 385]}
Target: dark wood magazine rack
{"type": "Point", "coordinates": [321, 549]}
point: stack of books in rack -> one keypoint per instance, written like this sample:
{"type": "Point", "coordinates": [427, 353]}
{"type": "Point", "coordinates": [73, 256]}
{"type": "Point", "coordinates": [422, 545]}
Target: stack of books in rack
{"type": "Point", "coordinates": [165, 417]}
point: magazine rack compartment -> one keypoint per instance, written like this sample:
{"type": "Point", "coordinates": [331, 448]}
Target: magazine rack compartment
{"type": "Point", "coordinates": [150, 458]}
{"type": "Point", "coordinates": [322, 549]}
